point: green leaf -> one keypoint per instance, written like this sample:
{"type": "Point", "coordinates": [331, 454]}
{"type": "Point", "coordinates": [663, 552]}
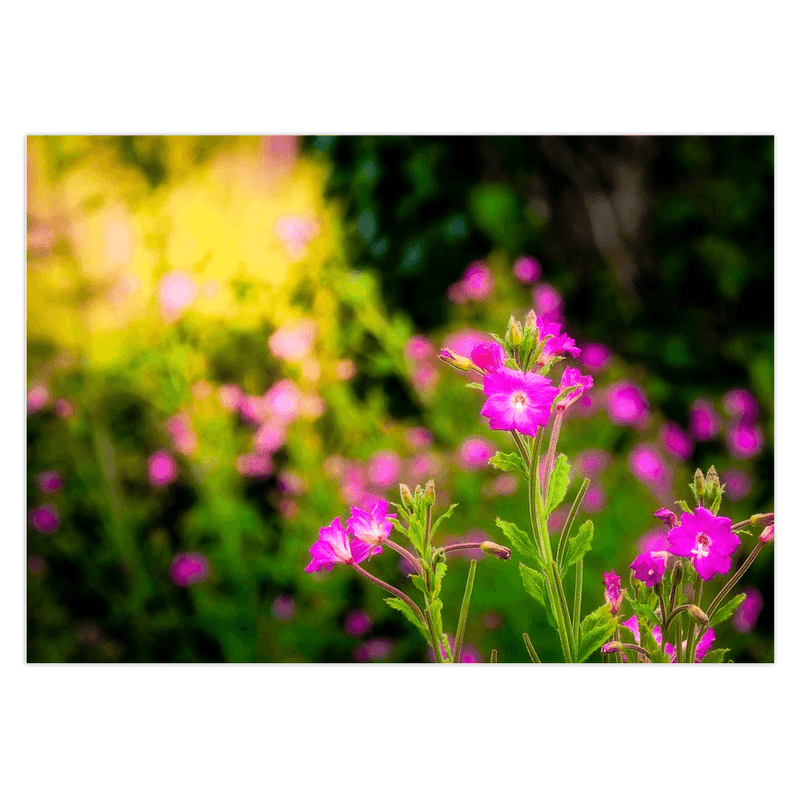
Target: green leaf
{"type": "Point", "coordinates": [474, 385]}
{"type": "Point", "coordinates": [521, 544]}
{"type": "Point", "coordinates": [579, 545]}
{"type": "Point", "coordinates": [438, 575]}
{"type": "Point", "coordinates": [534, 584]}
{"type": "Point", "coordinates": [643, 611]}
{"type": "Point", "coordinates": [436, 616]}
{"type": "Point", "coordinates": [559, 483]}
{"type": "Point", "coordinates": [649, 643]}
{"type": "Point", "coordinates": [443, 516]}
{"type": "Point", "coordinates": [405, 610]}
{"type": "Point", "coordinates": [684, 506]}
{"type": "Point", "coordinates": [596, 630]}
{"type": "Point", "coordinates": [418, 582]}
{"type": "Point", "coordinates": [715, 656]}
{"type": "Point", "coordinates": [508, 462]}
{"type": "Point", "coordinates": [723, 612]}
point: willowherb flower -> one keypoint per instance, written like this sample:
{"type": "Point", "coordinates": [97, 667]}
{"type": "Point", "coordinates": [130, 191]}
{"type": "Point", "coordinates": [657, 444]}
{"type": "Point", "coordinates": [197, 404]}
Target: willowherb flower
{"type": "Point", "coordinates": [478, 281]}
{"type": "Point", "coordinates": [626, 404]}
{"type": "Point", "coordinates": [357, 623]}
{"type": "Point", "coordinates": [572, 377]}
{"type": "Point", "coordinates": [49, 481]}
{"type": "Point", "coordinates": [557, 345]}
{"type": "Point", "coordinates": [649, 567]}
{"type": "Point", "coordinates": [334, 546]}
{"type": "Point", "coordinates": [592, 462]}
{"type": "Point", "coordinates": [475, 452]}
{"type": "Point", "coordinates": [740, 403]}
{"type": "Point", "coordinates": [44, 518]}
{"type": "Point", "coordinates": [701, 651]}
{"type": "Point", "coordinates": [161, 468]}
{"type": "Point", "coordinates": [283, 608]}
{"type": "Point", "coordinates": [547, 302]}
{"type": "Point", "coordinates": [614, 593]}
{"type": "Point", "coordinates": [767, 536]}
{"type": "Point", "coordinates": [517, 401]}
{"type": "Point", "coordinates": [418, 347]}
{"type": "Point", "coordinates": [707, 540]}
{"type": "Point", "coordinates": [488, 357]}
{"type": "Point", "coordinates": [292, 343]}
{"type": "Point", "coordinates": [595, 356]}
{"type": "Point", "coordinates": [527, 269]}
{"type": "Point", "coordinates": [595, 498]}
{"type": "Point", "coordinates": [188, 568]}
{"type": "Point", "coordinates": [675, 441]}
{"type": "Point", "coordinates": [648, 465]}
{"type": "Point", "coordinates": [667, 517]}
{"type": "Point", "coordinates": [284, 400]}
{"type": "Point", "coordinates": [737, 483]}
{"type": "Point", "coordinates": [38, 398]}
{"type": "Point", "coordinates": [745, 617]}
{"type": "Point", "coordinates": [177, 290]}
{"type": "Point", "coordinates": [384, 468]}
{"type": "Point", "coordinates": [745, 440]}
{"type": "Point", "coordinates": [704, 422]}
{"type": "Point", "coordinates": [371, 526]}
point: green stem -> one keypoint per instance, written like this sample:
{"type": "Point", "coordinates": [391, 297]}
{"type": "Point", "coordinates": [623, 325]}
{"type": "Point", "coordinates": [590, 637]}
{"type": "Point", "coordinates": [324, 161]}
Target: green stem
{"type": "Point", "coordinates": [437, 646]}
{"type": "Point", "coordinates": [403, 552]}
{"type": "Point", "coordinates": [462, 618]}
{"type": "Point", "coordinates": [732, 582]}
{"type": "Point", "coordinates": [391, 589]}
{"type": "Point", "coordinates": [562, 599]}
{"type": "Point", "coordinates": [693, 627]}
{"type": "Point", "coordinates": [576, 608]}
{"type": "Point", "coordinates": [531, 651]}
{"type": "Point", "coordinates": [551, 452]}
{"type": "Point", "coordinates": [493, 657]}
{"type": "Point", "coordinates": [573, 512]}
{"type": "Point", "coordinates": [522, 451]}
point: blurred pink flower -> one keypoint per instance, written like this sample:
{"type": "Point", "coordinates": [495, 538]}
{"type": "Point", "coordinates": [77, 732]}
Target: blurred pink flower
{"type": "Point", "coordinates": [345, 369]}
{"type": "Point", "coordinates": [44, 518]}
{"type": "Point", "coordinates": [424, 377]}
{"type": "Point", "coordinates": [653, 541]}
{"type": "Point", "coordinates": [675, 441]}
{"type": "Point", "coordinates": [491, 620]}
{"type": "Point", "coordinates": [252, 408]}
{"type": "Point", "coordinates": [161, 468]}
{"type": "Point", "coordinates": [737, 483]}
{"type": "Point", "coordinates": [504, 485]}
{"type": "Point", "coordinates": [745, 617]}
{"type": "Point", "coordinates": [557, 520]}
{"type": "Point", "coordinates": [474, 453]}
{"type": "Point", "coordinates": [36, 565]}
{"type": "Point", "coordinates": [188, 568]}
{"type": "Point", "coordinates": [38, 398]}
{"type": "Point", "coordinates": [291, 483]}
{"type": "Point", "coordinates": [470, 655]}
{"type": "Point", "coordinates": [183, 437]}
{"type": "Point", "coordinates": [548, 303]}
{"type": "Point", "coordinates": [744, 440]}
{"type": "Point", "coordinates": [595, 356]}
{"type": "Point", "coordinates": [41, 237]}
{"type": "Point", "coordinates": [293, 342]}
{"type": "Point", "coordinates": [423, 467]}
{"type": "Point", "coordinates": [374, 650]}
{"type": "Point", "coordinates": [626, 404]}
{"type": "Point", "coordinates": [704, 422]}
{"type": "Point", "coordinates": [254, 465]}
{"type": "Point", "coordinates": [271, 436]}
{"type": "Point", "coordinates": [384, 468]}
{"type": "Point", "coordinates": [312, 406]}
{"type": "Point", "coordinates": [648, 465]}
{"type": "Point", "coordinates": [64, 408]}
{"type": "Point", "coordinates": [295, 234]}
{"type": "Point", "coordinates": [177, 290]}
{"type": "Point", "coordinates": [230, 395]}
{"type": "Point", "coordinates": [741, 404]}
{"type": "Point", "coordinates": [49, 481]}
{"type": "Point", "coordinates": [592, 462]}
{"type": "Point", "coordinates": [419, 347]}
{"type": "Point", "coordinates": [418, 437]}
{"type": "Point", "coordinates": [288, 508]}
{"type": "Point", "coordinates": [462, 342]}
{"type": "Point", "coordinates": [353, 484]}
{"type": "Point", "coordinates": [334, 466]}
{"type": "Point", "coordinates": [595, 499]}
{"type": "Point", "coordinates": [202, 390]}
{"type": "Point", "coordinates": [284, 400]}
{"type": "Point", "coordinates": [283, 608]}
{"type": "Point", "coordinates": [527, 269]}
{"type": "Point", "coordinates": [478, 282]}
{"type": "Point", "coordinates": [357, 623]}
{"type": "Point", "coordinates": [455, 294]}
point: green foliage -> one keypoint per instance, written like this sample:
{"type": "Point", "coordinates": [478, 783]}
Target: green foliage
{"type": "Point", "coordinates": [536, 586]}
{"type": "Point", "coordinates": [723, 612]}
{"type": "Point", "coordinates": [405, 610]}
{"type": "Point", "coordinates": [559, 483]}
{"type": "Point", "coordinates": [596, 629]}
{"type": "Point", "coordinates": [715, 656]}
{"type": "Point", "coordinates": [521, 544]}
{"type": "Point", "coordinates": [509, 462]}
{"type": "Point", "coordinates": [579, 545]}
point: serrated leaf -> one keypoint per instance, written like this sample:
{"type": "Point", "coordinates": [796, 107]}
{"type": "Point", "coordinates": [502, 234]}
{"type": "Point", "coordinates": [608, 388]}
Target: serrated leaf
{"type": "Point", "coordinates": [596, 629]}
{"type": "Point", "coordinates": [579, 545]}
{"type": "Point", "coordinates": [403, 513]}
{"type": "Point", "coordinates": [436, 616]}
{"type": "Point", "coordinates": [508, 462]}
{"type": "Point", "coordinates": [723, 612]}
{"type": "Point", "coordinates": [715, 656]}
{"type": "Point", "coordinates": [443, 517]}
{"type": "Point", "coordinates": [559, 483]}
{"type": "Point", "coordinates": [403, 607]}
{"type": "Point", "coordinates": [521, 544]}
{"type": "Point", "coordinates": [418, 582]}
{"type": "Point", "coordinates": [534, 584]}
{"type": "Point", "coordinates": [438, 575]}
{"type": "Point", "coordinates": [684, 506]}
{"type": "Point", "coordinates": [642, 610]}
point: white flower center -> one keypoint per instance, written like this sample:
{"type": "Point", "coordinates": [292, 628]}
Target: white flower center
{"type": "Point", "coordinates": [702, 545]}
{"type": "Point", "coordinates": [519, 401]}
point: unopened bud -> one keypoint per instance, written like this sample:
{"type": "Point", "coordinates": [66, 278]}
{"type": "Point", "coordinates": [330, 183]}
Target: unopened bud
{"type": "Point", "coordinates": [454, 360]}
{"type": "Point", "coordinates": [611, 647]}
{"type": "Point", "coordinates": [514, 333]}
{"type": "Point", "coordinates": [677, 572]}
{"type": "Point", "coordinates": [667, 517]}
{"type": "Point", "coordinates": [762, 520]}
{"type": "Point", "coordinates": [406, 498]}
{"type": "Point", "coordinates": [430, 492]}
{"type": "Point", "coordinates": [767, 535]}
{"type": "Point", "coordinates": [496, 550]}
{"type": "Point", "coordinates": [699, 484]}
{"type": "Point", "coordinates": [698, 615]}
{"type": "Point", "coordinates": [530, 320]}
{"type": "Point", "coordinates": [712, 480]}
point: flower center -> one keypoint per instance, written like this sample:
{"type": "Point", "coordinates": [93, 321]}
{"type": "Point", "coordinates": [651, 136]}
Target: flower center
{"type": "Point", "coordinates": [701, 546]}
{"type": "Point", "coordinates": [519, 401]}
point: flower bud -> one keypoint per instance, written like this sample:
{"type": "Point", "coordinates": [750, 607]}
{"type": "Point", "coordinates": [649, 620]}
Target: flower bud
{"type": "Point", "coordinates": [698, 615]}
{"type": "Point", "coordinates": [430, 492]}
{"type": "Point", "coordinates": [762, 520]}
{"type": "Point", "coordinates": [667, 517]}
{"type": "Point", "coordinates": [767, 535]}
{"type": "Point", "coordinates": [611, 647]}
{"type": "Point", "coordinates": [406, 498]}
{"type": "Point", "coordinates": [712, 480]}
{"type": "Point", "coordinates": [514, 333]}
{"type": "Point", "coordinates": [677, 572]}
{"type": "Point", "coordinates": [459, 362]}
{"type": "Point", "coordinates": [699, 484]}
{"type": "Point", "coordinates": [530, 320]}
{"type": "Point", "coordinates": [496, 550]}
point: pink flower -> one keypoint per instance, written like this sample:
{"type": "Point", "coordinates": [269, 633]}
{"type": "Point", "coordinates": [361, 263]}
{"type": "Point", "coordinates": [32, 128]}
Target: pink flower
{"type": "Point", "coordinates": [418, 437]}
{"type": "Point", "coordinates": [357, 623]}
{"type": "Point", "coordinates": [626, 404]}
{"type": "Point", "coordinates": [179, 429]}
{"type": "Point", "coordinates": [334, 546]}
{"type": "Point", "coordinates": [161, 468]}
{"type": "Point", "coordinates": [572, 377]}
{"type": "Point", "coordinates": [737, 483]}
{"type": "Point", "coordinates": [704, 422]}
{"type": "Point", "coordinates": [284, 400]}
{"type": "Point", "coordinates": [376, 649]}
{"type": "Point", "coordinates": [291, 483]}
{"type": "Point", "coordinates": [419, 347]}
{"type": "Point", "coordinates": [371, 526]}
{"type": "Point", "coordinates": [44, 518]}
{"type": "Point", "coordinates": [491, 620]}
{"type": "Point", "coordinates": [649, 567]}
{"type": "Point", "coordinates": [653, 540]}
{"type": "Point", "coordinates": [38, 398]}
{"type": "Point", "coordinates": [517, 401]}
{"type": "Point", "coordinates": [295, 234]}
{"type": "Point", "coordinates": [283, 608]}
{"type": "Point", "coordinates": [503, 485]}
{"type": "Point", "coordinates": [547, 302]}
{"type": "Point", "coordinates": [595, 499]}
{"type": "Point", "coordinates": [527, 269]}
{"type": "Point", "coordinates": [188, 568]}
{"type": "Point", "coordinates": [557, 345]}
{"type": "Point", "coordinates": [740, 404]}
{"type": "Point", "coordinates": [269, 438]}
{"type": "Point", "coordinates": [614, 592]}
{"type": "Point", "coordinates": [477, 283]}
{"type": "Point", "coordinates": [707, 540]}
{"type": "Point", "coordinates": [230, 396]}
{"type": "Point", "coordinates": [474, 453]}
{"type": "Point", "coordinates": [592, 462]}
{"type": "Point", "coordinates": [50, 481]}
{"type": "Point", "coordinates": [675, 441]}
{"type": "Point", "coordinates": [488, 357]}
{"type": "Point", "coordinates": [701, 651]}
{"type": "Point", "coordinates": [648, 465]}
{"type": "Point", "coordinates": [423, 467]}
{"type": "Point", "coordinates": [177, 290]}
{"type": "Point", "coordinates": [455, 294]}
{"type": "Point", "coordinates": [595, 356]}
{"type": "Point", "coordinates": [384, 468]}
{"type": "Point", "coordinates": [744, 440]}
{"type": "Point", "coordinates": [667, 517]}
{"type": "Point", "coordinates": [252, 408]}
{"type": "Point", "coordinates": [745, 617]}
{"type": "Point", "coordinates": [253, 465]}
{"type": "Point", "coordinates": [64, 408]}
{"type": "Point", "coordinates": [292, 343]}
{"type": "Point", "coordinates": [464, 341]}
{"type": "Point", "coordinates": [345, 369]}
{"type": "Point", "coordinates": [424, 377]}
{"type": "Point", "coordinates": [470, 654]}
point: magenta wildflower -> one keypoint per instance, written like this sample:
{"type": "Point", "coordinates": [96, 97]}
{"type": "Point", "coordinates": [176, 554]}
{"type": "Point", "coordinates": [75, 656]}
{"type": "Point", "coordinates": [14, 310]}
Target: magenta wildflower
{"type": "Point", "coordinates": [179, 429]}
{"type": "Point", "coordinates": [614, 592]}
{"type": "Point", "coordinates": [517, 401]}
{"type": "Point", "coordinates": [384, 468]}
{"type": "Point", "coordinates": [701, 651]}
{"type": "Point", "coordinates": [557, 345]}
{"type": "Point", "coordinates": [283, 400]}
{"type": "Point", "coordinates": [745, 617]}
{"type": "Point", "coordinates": [374, 650]}
{"type": "Point", "coordinates": [44, 518]}
{"type": "Point", "coordinates": [744, 440]}
{"type": "Point", "coordinates": [345, 369]}
{"type": "Point", "coordinates": [292, 343]}
{"type": "Point", "coordinates": [334, 546]}
{"type": "Point", "coordinates": [488, 357]}
{"type": "Point", "coordinates": [648, 465]}
{"type": "Point", "coordinates": [547, 301]}
{"type": "Point", "coordinates": [592, 462]}
{"type": "Point", "coordinates": [418, 347]}
{"type": "Point", "coordinates": [649, 567]}
{"type": "Point", "coordinates": [424, 466]}
{"type": "Point", "coordinates": [296, 233]}
{"type": "Point", "coordinates": [527, 269]}
{"type": "Point", "coordinates": [38, 398]}
{"type": "Point", "coordinates": [49, 481]}
{"type": "Point", "coordinates": [357, 623]}
{"type": "Point", "coordinates": [254, 465]}
{"type": "Point", "coordinates": [595, 356]}
{"type": "Point", "coordinates": [626, 404]}
{"type": "Point", "coordinates": [424, 377]}
{"type": "Point", "coordinates": [371, 526]}
{"type": "Point", "coordinates": [283, 608]}
{"type": "Point", "coordinates": [675, 441]}
{"type": "Point", "coordinates": [462, 342]}
{"type": "Point", "coordinates": [667, 517]}
{"type": "Point", "coordinates": [269, 438]}
{"type": "Point", "coordinates": [177, 290]}
{"type": "Point", "coordinates": [707, 540]}
{"type": "Point", "coordinates": [595, 499]}
{"type": "Point", "coordinates": [704, 422]}
{"type": "Point", "coordinates": [737, 483]}
{"type": "Point", "coordinates": [655, 540]}
{"type": "Point", "coordinates": [188, 568]}
{"type": "Point", "coordinates": [64, 408]}
{"type": "Point", "coordinates": [474, 453]}
{"type": "Point", "coordinates": [767, 536]}
{"type": "Point", "coordinates": [478, 282]}
{"type": "Point", "coordinates": [739, 403]}
{"type": "Point", "coordinates": [572, 377]}
{"type": "Point", "coordinates": [161, 469]}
